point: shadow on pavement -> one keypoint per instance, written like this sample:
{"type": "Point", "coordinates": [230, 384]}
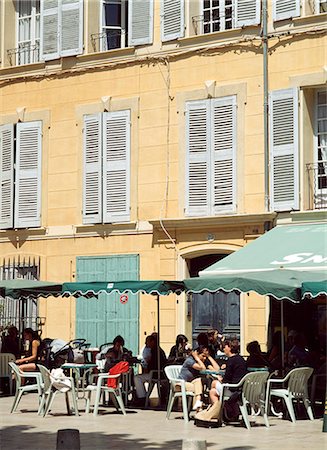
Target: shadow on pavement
{"type": "Point", "coordinates": [22, 437]}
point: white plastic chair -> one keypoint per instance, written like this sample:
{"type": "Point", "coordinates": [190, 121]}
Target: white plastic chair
{"type": "Point", "coordinates": [5, 370]}
{"type": "Point", "coordinates": [172, 373]}
{"type": "Point", "coordinates": [49, 393]}
{"type": "Point", "coordinates": [252, 388]}
{"type": "Point", "coordinates": [101, 388]}
{"type": "Point", "coordinates": [22, 388]}
{"type": "Point", "coordinates": [295, 388]}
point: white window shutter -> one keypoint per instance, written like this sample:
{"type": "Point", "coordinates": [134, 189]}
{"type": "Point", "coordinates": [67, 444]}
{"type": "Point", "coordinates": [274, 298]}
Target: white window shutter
{"type": "Point", "coordinates": [116, 166]}
{"type": "Point", "coordinates": [197, 158]}
{"type": "Point", "coordinates": [71, 27]}
{"type": "Point", "coordinates": [224, 154]}
{"type": "Point", "coordinates": [172, 19]}
{"type": "Point", "coordinates": [6, 176]}
{"type": "Point", "coordinates": [286, 9]}
{"type": "Point", "coordinates": [28, 175]}
{"type": "Point", "coordinates": [247, 12]}
{"type": "Point", "coordinates": [92, 176]}
{"type": "Point", "coordinates": [50, 21]}
{"type": "Point", "coordinates": [140, 22]}
{"type": "Point", "coordinates": [284, 177]}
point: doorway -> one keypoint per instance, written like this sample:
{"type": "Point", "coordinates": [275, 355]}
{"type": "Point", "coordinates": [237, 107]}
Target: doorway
{"type": "Point", "coordinates": [217, 310]}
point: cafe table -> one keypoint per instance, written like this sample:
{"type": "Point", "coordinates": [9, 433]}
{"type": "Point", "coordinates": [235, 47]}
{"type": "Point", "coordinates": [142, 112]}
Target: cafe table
{"type": "Point", "coordinates": [81, 374]}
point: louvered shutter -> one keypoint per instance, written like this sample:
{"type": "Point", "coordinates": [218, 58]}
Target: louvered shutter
{"type": "Point", "coordinates": [197, 158]}
{"type": "Point", "coordinates": [71, 27]}
{"type": "Point", "coordinates": [284, 177]}
{"type": "Point", "coordinates": [247, 12]}
{"type": "Point", "coordinates": [92, 176]}
{"type": "Point", "coordinates": [172, 19]}
{"type": "Point", "coordinates": [224, 154]}
{"type": "Point", "coordinates": [286, 9]}
{"type": "Point", "coordinates": [140, 22]}
{"type": "Point", "coordinates": [6, 176]}
{"type": "Point", "coordinates": [28, 175]}
{"type": "Point", "coordinates": [116, 166]}
{"type": "Point", "coordinates": [50, 20]}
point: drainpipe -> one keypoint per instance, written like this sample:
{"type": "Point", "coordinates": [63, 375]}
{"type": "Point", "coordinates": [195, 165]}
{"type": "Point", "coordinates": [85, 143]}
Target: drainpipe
{"type": "Point", "coordinates": [265, 101]}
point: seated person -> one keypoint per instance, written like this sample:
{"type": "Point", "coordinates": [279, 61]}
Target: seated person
{"type": "Point", "coordinates": [33, 354]}
{"type": "Point", "coordinates": [179, 351]}
{"type": "Point", "coordinates": [190, 372]}
{"type": "Point", "coordinates": [151, 363]}
{"type": "Point", "coordinates": [215, 342]}
{"type": "Point", "coordinates": [255, 358]}
{"type": "Point", "coordinates": [116, 353]}
{"type": "Point", "coordinates": [10, 342]}
{"type": "Point", "coordinates": [235, 371]}
{"type": "Point", "coordinates": [299, 355]}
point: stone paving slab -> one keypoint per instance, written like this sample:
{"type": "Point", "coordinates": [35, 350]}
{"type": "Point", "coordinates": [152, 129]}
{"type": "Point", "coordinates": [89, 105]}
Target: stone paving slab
{"type": "Point", "coordinates": [146, 430]}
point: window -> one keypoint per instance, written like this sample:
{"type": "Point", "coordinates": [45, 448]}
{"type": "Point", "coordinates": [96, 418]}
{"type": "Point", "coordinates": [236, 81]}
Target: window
{"type": "Point", "coordinates": [320, 182]}
{"type": "Point", "coordinates": [124, 23]}
{"type": "Point", "coordinates": [284, 169]}
{"type": "Point", "coordinates": [217, 15]}
{"type": "Point", "coordinates": [287, 9]}
{"type": "Point", "coordinates": [106, 193]}
{"type": "Point", "coordinates": [221, 15]}
{"type": "Point", "coordinates": [114, 24]}
{"type": "Point", "coordinates": [20, 175]}
{"type": "Point", "coordinates": [28, 32]}
{"type": "Point", "coordinates": [61, 28]}
{"type": "Point", "coordinates": [211, 156]}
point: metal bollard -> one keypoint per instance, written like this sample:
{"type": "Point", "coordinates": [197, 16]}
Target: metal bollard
{"type": "Point", "coordinates": [191, 444]}
{"type": "Point", "coordinates": [68, 439]}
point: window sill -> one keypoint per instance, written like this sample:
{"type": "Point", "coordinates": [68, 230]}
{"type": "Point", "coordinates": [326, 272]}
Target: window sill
{"type": "Point", "coordinates": [42, 231]}
{"type": "Point", "coordinates": [301, 20]}
{"type": "Point", "coordinates": [105, 55]}
{"type": "Point", "coordinates": [226, 35]}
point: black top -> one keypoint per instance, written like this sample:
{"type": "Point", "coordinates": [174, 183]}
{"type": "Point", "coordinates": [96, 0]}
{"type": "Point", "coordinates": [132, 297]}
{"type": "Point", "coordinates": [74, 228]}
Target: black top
{"type": "Point", "coordinates": [153, 363]}
{"type": "Point", "coordinates": [235, 369]}
{"type": "Point", "coordinates": [10, 345]}
{"type": "Point", "coordinates": [257, 360]}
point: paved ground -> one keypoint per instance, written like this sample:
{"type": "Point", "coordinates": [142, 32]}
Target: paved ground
{"type": "Point", "coordinates": [146, 430]}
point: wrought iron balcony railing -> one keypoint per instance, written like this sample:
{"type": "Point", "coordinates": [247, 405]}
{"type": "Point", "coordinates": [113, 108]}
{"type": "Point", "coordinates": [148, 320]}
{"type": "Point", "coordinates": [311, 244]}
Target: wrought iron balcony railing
{"type": "Point", "coordinates": [24, 54]}
{"type": "Point", "coordinates": [109, 40]}
{"type": "Point", "coordinates": [317, 177]}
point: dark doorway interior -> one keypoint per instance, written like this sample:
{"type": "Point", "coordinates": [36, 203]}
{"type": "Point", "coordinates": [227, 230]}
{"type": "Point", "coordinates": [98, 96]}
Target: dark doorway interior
{"type": "Point", "coordinates": [218, 310]}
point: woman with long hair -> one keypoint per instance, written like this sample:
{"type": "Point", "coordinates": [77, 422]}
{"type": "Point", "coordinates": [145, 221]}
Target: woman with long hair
{"type": "Point", "coordinates": [32, 357]}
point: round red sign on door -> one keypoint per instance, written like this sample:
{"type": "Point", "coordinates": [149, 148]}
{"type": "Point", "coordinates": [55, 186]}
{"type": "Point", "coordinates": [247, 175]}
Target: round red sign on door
{"type": "Point", "coordinates": [123, 298]}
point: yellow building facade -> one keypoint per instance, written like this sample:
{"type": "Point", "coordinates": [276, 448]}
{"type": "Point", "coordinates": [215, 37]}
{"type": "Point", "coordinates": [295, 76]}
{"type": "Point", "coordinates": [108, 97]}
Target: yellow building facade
{"type": "Point", "coordinates": [146, 120]}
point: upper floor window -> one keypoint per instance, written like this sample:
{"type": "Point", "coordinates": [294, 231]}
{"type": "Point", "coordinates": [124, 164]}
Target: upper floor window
{"type": "Point", "coordinates": [320, 157]}
{"type": "Point", "coordinates": [114, 24]}
{"type": "Point", "coordinates": [211, 156]}
{"type": "Point", "coordinates": [287, 9]}
{"type": "Point", "coordinates": [221, 15]}
{"type": "Point", "coordinates": [28, 32]}
{"type": "Point", "coordinates": [20, 175]}
{"type": "Point", "coordinates": [106, 180]}
{"type": "Point", "coordinates": [124, 23]}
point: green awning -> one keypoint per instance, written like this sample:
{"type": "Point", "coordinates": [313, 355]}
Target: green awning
{"type": "Point", "coordinates": [29, 288]}
{"type": "Point", "coordinates": [155, 287]}
{"type": "Point", "coordinates": [280, 283]}
{"type": "Point", "coordinates": [314, 288]}
{"type": "Point", "coordinates": [296, 247]}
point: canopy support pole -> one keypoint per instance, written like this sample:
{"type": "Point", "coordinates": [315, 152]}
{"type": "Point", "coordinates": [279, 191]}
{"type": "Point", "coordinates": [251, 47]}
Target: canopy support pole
{"type": "Point", "coordinates": [282, 334]}
{"type": "Point", "coordinates": [158, 342]}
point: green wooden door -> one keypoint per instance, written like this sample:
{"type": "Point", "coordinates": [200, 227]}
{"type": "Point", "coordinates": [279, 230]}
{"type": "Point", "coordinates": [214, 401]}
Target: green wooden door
{"type": "Point", "coordinates": [99, 320]}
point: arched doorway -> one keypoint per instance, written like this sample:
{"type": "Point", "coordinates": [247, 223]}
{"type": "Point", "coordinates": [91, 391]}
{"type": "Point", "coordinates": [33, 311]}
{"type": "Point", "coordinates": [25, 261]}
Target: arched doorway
{"type": "Point", "coordinates": [218, 310]}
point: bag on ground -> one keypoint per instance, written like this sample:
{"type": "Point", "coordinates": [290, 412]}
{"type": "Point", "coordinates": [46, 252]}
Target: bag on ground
{"type": "Point", "coordinates": [210, 417]}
